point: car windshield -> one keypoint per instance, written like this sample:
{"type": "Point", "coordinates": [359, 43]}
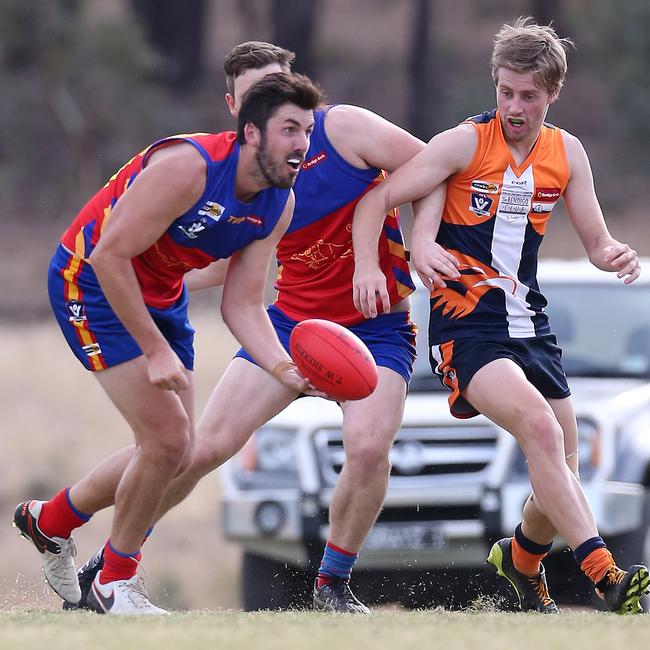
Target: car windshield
{"type": "Point", "coordinates": [603, 330]}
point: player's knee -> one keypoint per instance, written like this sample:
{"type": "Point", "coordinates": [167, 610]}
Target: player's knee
{"type": "Point", "coordinates": [170, 448]}
{"type": "Point", "coordinates": [367, 455]}
{"type": "Point", "coordinates": [208, 455]}
{"type": "Point", "coordinates": [544, 434]}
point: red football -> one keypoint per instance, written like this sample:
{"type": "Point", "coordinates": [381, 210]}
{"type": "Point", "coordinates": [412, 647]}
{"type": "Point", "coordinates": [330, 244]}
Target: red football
{"type": "Point", "coordinates": [334, 359]}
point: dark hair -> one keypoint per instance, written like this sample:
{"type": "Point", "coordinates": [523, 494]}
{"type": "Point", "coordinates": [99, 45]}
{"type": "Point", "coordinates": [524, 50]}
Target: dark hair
{"type": "Point", "coordinates": [253, 55]}
{"type": "Point", "coordinates": [265, 96]}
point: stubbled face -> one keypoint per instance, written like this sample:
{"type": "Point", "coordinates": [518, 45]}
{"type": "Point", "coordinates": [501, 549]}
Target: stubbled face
{"type": "Point", "coordinates": [281, 149]}
{"type": "Point", "coordinates": [245, 80]}
{"type": "Point", "coordinates": [522, 105]}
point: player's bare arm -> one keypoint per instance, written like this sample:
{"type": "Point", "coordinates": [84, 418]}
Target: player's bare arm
{"type": "Point", "coordinates": [431, 261]}
{"type": "Point", "coordinates": [586, 216]}
{"type": "Point", "coordinates": [447, 153]}
{"type": "Point", "coordinates": [364, 139]}
{"type": "Point", "coordinates": [213, 275]}
{"type": "Point", "coordinates": [171, 184]}
{"type": "Point", "coordinates": [242, 306]}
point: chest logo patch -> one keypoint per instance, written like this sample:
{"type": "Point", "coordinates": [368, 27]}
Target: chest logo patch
{"type": "Point", "coordinates": [480, 204]}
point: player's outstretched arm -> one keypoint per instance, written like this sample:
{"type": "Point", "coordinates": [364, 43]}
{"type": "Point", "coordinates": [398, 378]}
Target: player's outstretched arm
{"type": "Point", "coordinates": [171, 184]}
{"type": "Point", "coordinates": [586, 216]}
{"type": "Point", "coordinates": [242, 307]}
{"type": "Point", "coordinates": [447, 153]}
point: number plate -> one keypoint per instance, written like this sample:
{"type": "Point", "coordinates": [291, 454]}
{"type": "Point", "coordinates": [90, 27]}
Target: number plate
{"type": "Point", "coordinates": [426, 535]}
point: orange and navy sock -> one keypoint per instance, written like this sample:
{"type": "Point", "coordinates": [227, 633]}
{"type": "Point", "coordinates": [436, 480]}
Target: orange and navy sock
{"type": "Point", "coordinates": [594, 559]}
{"type": "Point", "coordinates": [527, 555]}
{"type": "Point", "coordinates": [117, 565]}
{"type": "Point", "coordinates": [59, 517]}
{"type": "Point", "coordinates": [337, 563]}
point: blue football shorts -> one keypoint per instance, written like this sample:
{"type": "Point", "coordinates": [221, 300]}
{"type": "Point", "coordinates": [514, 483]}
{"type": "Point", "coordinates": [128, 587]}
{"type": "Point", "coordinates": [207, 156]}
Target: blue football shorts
{"type": "Point", "coordinates": [92, 329]}
{"type": "Point", "coordinates": [389, 337]}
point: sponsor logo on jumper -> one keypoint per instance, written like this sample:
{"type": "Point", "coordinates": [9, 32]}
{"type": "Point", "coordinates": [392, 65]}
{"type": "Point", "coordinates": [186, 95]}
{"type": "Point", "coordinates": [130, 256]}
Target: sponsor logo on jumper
{"type": "Point", "coordinates": [543, 207]}
{"type": "Point", "coordinates": [77, 311]}
{"type": "Point", "coordinates": [547, 194]}
{"type": "Point", "coordinates": [319, 157]}
{"type": "Point", "coordinates": [212, 210]}
{"type": "Point", "coordinates": [251, 218]}
{"type": "Point", "coordinates": [485, 186]}
{"type": "Point", "coordinates": [92, 349]}
{"type": "Point", "coordinates": [516, 195]}
{"type": "Point", "coordinates": [480, 204]}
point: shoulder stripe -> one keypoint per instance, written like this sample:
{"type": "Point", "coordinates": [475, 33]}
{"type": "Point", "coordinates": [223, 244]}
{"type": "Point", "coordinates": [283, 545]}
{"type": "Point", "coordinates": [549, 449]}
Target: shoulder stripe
{"type": "Point", "coordinates": [484, 117]}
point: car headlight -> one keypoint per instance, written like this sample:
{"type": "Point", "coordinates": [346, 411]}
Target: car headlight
{"type": "Point", "coordinates": [589, 448]}
{"type": "Point", "coordinates": [271, 449]}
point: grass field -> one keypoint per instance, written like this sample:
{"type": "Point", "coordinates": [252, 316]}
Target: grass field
{"type": "Point", "coordinates": [389, 630]}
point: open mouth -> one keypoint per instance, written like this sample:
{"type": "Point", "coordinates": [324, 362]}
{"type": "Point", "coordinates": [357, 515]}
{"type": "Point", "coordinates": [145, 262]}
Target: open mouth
{"type": "Point", "coordinates": [516, 121]}
{"type": "Point", "coordinates": [294, 162]}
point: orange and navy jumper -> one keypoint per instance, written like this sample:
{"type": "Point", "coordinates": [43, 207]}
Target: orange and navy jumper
{"type": "Point", "coordinates": [494, 219]}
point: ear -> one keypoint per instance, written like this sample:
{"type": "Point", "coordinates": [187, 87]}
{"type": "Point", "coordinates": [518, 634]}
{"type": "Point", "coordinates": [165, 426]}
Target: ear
{"type": "Point", "coordinates": [230, 102]}
{"type": "Point", "coordinates": [252, 134]}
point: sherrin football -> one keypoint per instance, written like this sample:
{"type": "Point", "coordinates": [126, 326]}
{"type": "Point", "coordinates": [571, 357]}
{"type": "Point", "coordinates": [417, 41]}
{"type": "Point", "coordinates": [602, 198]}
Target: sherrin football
{"type": "Point", "coordinates": [334, 359]}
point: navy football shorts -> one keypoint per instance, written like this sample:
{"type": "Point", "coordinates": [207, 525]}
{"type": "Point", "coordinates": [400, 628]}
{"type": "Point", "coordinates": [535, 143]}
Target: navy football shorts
{"type": "Point", "coordinates": [456, 362]}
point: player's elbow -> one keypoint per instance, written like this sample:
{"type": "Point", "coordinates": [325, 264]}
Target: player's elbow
{"type": "Point", "coordinates": [100, 260]}
{"type": "Point", "coordinates": [231, 310]}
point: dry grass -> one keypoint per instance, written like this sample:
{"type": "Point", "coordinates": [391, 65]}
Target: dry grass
{"type": "Point", "coordinates": [56, 424]}
{"type": "Point", "coordinates": [382, 630]}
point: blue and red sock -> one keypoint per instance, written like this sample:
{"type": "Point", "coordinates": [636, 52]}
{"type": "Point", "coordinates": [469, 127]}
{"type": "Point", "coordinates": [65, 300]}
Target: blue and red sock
{"type": "Point", "coordinates": [337, 563]}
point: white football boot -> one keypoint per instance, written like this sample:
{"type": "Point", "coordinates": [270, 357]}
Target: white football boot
{"type": "Point", "coordinates": [57, 553]}
{"type": "Point", "coordinates": [122, 597]}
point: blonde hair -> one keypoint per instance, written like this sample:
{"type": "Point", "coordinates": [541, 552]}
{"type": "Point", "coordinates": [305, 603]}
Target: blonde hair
{"type": "Point", "coordinates": [525, 46]}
